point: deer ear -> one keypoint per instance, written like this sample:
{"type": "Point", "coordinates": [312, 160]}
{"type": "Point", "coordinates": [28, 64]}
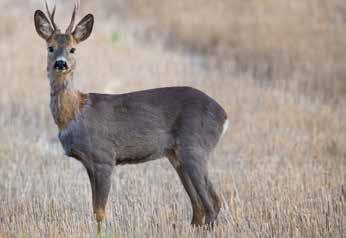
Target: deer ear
{"type": "Point", "coordinates": [84, 28]}
{"type": "Point", "coordinates": [42, 25]}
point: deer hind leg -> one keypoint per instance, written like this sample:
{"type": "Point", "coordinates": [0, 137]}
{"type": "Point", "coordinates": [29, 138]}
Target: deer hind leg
{"type": "Point", "coordinates": [100, 180]}
{"type": "Point", "coordinates": [194, 162]}
{"type": "Point", "coordinates": [215, 197]}
{"type": "Point", "coordinates": [197, 206]}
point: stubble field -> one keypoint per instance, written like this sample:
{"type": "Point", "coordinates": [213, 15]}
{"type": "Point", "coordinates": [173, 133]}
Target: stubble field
{"type": "Point", "coordinates": [280, 168]}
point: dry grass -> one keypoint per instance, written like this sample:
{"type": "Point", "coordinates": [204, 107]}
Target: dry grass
{"type": "Point", "coordinates": [276, 40]}
{"type": "Point", "coordinates": [280, 169]}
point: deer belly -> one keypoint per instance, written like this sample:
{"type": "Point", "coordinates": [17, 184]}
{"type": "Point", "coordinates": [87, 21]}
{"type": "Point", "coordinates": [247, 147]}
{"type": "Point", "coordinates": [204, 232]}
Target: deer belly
{"type": "Point", "coordinates": [137, 159]}
{"type": "Point", "coordinates": [139, 150]}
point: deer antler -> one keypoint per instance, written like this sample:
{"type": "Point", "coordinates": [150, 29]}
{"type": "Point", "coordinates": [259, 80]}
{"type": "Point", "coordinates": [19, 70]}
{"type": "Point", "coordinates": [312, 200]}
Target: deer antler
{"type": "Point", "coordinates": [70, 27]}
{"type": "Point", "coordinates": [51, 17]}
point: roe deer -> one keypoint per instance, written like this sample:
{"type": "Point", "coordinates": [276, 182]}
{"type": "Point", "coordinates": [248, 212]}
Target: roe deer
{"type": "Point", "coordinates": [103, 130]}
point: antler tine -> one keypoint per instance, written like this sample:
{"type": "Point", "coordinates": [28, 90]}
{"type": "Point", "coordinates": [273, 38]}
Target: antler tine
{"type": "Point", "coordinates": [51, 16]}
{"type": "Point", "coordinates": [70, 27]}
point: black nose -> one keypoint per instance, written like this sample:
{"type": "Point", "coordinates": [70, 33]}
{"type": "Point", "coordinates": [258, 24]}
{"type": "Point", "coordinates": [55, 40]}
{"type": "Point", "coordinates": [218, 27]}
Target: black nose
{"type": "Point", "coordinates": [60, 65]}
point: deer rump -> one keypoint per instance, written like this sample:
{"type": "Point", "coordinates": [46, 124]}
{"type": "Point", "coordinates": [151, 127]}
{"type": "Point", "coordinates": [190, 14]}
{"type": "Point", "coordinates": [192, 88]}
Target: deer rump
{"type": "Point", "coordinates": [141, 126]}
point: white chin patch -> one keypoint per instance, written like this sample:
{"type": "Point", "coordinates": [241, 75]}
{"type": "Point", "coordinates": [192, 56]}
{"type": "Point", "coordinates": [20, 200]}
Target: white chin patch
{"type": "Point", "coordinates": [61, 70]}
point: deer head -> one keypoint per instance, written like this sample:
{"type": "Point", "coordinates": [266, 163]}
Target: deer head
{"type": "Point", "coordinates": [62, 46]}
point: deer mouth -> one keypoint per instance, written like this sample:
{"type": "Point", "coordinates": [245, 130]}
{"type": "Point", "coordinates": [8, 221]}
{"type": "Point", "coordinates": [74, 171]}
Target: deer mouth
{"type": "Point", "coordinates": [62, 71]}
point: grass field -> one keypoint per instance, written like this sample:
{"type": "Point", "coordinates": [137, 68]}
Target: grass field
{"type": "Point", "coordinates": [278, 70]}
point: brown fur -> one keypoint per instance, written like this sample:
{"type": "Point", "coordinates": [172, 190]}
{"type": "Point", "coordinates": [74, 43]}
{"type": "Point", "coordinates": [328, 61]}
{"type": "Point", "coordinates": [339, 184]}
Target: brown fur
{"type": "Point", "coordinates": [70, 103]}
{"type": "Point", "coordinates": [100, 214]}
{"type": "Point", "coordinates": [180, 123]}
{"type": "Point", "coordinates": [62, 40]}
{"type": "Point", "coordinates": [65, 103]}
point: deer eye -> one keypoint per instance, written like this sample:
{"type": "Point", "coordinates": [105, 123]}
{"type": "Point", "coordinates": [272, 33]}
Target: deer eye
{"type": "Point", "coordinates": [50, 49]}
{"type": "Point", "coordinates": [73, 50]}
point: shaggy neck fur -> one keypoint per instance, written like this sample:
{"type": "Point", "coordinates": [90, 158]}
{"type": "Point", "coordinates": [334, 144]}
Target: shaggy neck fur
{"type": "Point", "coordinates": [66, 102]}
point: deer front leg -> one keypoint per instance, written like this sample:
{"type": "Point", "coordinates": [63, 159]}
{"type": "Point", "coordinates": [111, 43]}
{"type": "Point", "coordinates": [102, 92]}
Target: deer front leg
{"type": "Point", "coordinates": [100, 180]}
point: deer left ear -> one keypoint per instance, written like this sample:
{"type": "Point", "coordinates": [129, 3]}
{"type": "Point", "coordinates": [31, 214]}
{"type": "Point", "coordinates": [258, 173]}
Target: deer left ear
{"type": "Point", "coordinates": [42, 25]}
{"type": "Point", "coordinates": [84, 28]}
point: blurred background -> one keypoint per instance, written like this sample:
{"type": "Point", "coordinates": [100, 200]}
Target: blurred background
{"type": "Point", "coordinates": [278, 68]}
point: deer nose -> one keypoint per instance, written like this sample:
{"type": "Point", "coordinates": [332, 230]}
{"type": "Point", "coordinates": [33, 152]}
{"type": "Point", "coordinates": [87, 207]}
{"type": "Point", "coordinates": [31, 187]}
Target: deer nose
{"type": "Point", "coordinates": [60, 65]}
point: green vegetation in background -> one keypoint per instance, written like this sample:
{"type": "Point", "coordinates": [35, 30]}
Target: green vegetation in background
{"type": "Point", "coordinates": [115, 37]}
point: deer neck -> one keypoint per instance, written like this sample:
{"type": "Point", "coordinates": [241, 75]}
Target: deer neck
{"type": "Point", "coordinates": [65, 101]}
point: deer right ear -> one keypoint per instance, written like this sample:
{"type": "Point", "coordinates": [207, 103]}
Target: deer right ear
{"type": "Point", "coordinates": [84, 28]}
{"type": "Point", "coordinates": [42, 25]}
